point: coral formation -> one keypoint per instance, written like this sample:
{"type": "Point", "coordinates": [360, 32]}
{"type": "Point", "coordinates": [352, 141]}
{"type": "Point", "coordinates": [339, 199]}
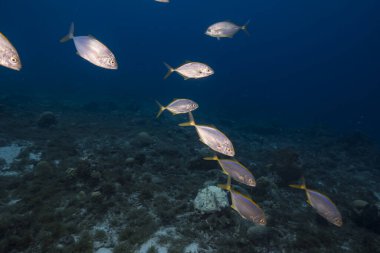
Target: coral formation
{"type": "Point", "coordinates": [210, 199]}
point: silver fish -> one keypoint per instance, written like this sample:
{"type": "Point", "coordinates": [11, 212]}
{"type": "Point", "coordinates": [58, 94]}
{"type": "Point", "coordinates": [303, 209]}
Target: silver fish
{"type": "Point", "coordinates": [8, 55]}
{"type": "Point", "coordinates": [225, 29]}
{"type": "Point", "coordinates": [178, 106]}
{"type": "Point", "coordinates": [236, 170]}
{"type": "Point", "coordinates": [162, 1]}
{"type": "Point", "coordinates": [212, 137]}
{"type": "Point", "coordinates": [245, 206]}
{"type": "Point", "coordinates": [189, 70]}
{"type": "Point", "coordinates": [322, 204]}
{"type": "Point", "coordinates": [92, 50]}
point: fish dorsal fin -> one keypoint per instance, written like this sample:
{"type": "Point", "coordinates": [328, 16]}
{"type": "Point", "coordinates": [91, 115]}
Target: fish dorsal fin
{"type": "Point", "coordinates": [225, 172]}
{"type": "Point", "coordinates": [5, 38]}
{"type": "Point", "coordinates": [234, 207]}
{"type": "Point", "coordinates": [188, 61]}
{"type": "Point", "coordinates": [91, 36]}
{"type": "Point", "coordinates": [210, 125]}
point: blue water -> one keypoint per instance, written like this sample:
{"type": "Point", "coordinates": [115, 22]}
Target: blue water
{"type": "Point", "coordinates": [306, 62]}
{"type": "Point", "coordinates": [305, 65]}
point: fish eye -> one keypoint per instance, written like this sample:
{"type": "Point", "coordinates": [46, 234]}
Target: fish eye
{"type": "Point", "coordinates": [262, 221]}
{"type": "Point", "coordinates": [13, 59]}
{"type": "Point", "coordinates": [111, 61]}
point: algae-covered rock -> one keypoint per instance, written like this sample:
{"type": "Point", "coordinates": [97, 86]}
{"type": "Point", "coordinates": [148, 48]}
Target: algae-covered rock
{"type": "Point", "coordinates": [46, 120]}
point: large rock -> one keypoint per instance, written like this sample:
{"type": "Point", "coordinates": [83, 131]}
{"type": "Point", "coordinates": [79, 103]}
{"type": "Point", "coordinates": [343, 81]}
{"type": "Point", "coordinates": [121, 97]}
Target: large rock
{"type": "Point", "coordinates": [47, 120]}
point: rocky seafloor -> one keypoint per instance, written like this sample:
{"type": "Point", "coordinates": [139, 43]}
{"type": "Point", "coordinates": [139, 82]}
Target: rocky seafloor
{"type": "Point", "coordinates": [107, 177]}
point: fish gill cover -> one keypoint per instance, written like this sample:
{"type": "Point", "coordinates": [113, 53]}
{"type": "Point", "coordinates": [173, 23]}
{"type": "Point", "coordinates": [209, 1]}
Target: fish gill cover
{"type": "Point", "coordinates": [85, 166]}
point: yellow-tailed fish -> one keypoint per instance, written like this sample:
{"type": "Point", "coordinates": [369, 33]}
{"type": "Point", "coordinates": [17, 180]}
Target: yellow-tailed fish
{"type": "Point", "coordinates": [178, 106]}
{"type": "Point", "coordinates": [8, 55]}
{"type": "Point", "coordinates": [245, 206]}
{"type": "Point", "coordinates": [189, 70]}
{"type": "Point", "coordinates": [322, 204]}
{"type": "Point", "coordinates": [92, 50]}
{"type": "Point", "coordinates": [225, 29]}
{"type": "Point", "coordinates": [212, 137]}
{"type": "Point", "coordinates": [236, 170]}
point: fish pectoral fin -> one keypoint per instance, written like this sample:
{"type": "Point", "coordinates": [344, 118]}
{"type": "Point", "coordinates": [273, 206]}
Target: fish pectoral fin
{"type": "Point", "coordinates": [308, 201]}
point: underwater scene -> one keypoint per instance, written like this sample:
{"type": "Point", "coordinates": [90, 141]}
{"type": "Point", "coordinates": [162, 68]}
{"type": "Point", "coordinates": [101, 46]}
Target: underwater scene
{"type": "Point", "coordinates": [202, 126]}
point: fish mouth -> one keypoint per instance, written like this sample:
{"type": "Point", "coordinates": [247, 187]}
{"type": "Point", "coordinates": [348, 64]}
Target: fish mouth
{"type": "Point", "coordinates": [17, 67]}
{"type": "Point", "coordinates": [113, 67]}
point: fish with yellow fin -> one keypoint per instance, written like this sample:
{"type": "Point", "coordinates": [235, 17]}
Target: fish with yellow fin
{"type": "Point", "coordinates": [178, 106]}
{"type": "Point", "coordinates": [322, 204]}
{"type": "Point", "coordinates": [236, 170]}
{"type": "Point", "coordinates": [212, 137]}
{"type": "Point", "coordinates": [245, 206]}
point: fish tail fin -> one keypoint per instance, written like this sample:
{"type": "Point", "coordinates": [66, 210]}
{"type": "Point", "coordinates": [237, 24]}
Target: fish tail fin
{"type": "Point", "coordinates": [245, 27]}
{"type": "Point", "coordinates": [70, 35]}
{"type": "Point", "coordinates": [170, 70]}
{"type": "Point", "coordinates": [211, 158]}
{"type": "Point", "coordinates": [191, 121]}
{"type": "Point", "coordinates": [302, 186]}
{"type": "Point", "coordinates": [227, 186]}
{"type": "Point", "coordinates": [162, 108]}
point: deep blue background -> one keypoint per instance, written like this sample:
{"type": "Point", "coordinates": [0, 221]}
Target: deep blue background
{"type": "Point", "coordinates": [306, 62]}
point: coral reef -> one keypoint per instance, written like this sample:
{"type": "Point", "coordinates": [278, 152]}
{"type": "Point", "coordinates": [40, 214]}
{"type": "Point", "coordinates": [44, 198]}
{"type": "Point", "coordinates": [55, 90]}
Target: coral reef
{"type": "Point", "coordinates": [120, 182]}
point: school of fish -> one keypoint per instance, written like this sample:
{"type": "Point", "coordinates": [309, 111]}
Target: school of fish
{"type": "Point", "coordinates": [95, 52]}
